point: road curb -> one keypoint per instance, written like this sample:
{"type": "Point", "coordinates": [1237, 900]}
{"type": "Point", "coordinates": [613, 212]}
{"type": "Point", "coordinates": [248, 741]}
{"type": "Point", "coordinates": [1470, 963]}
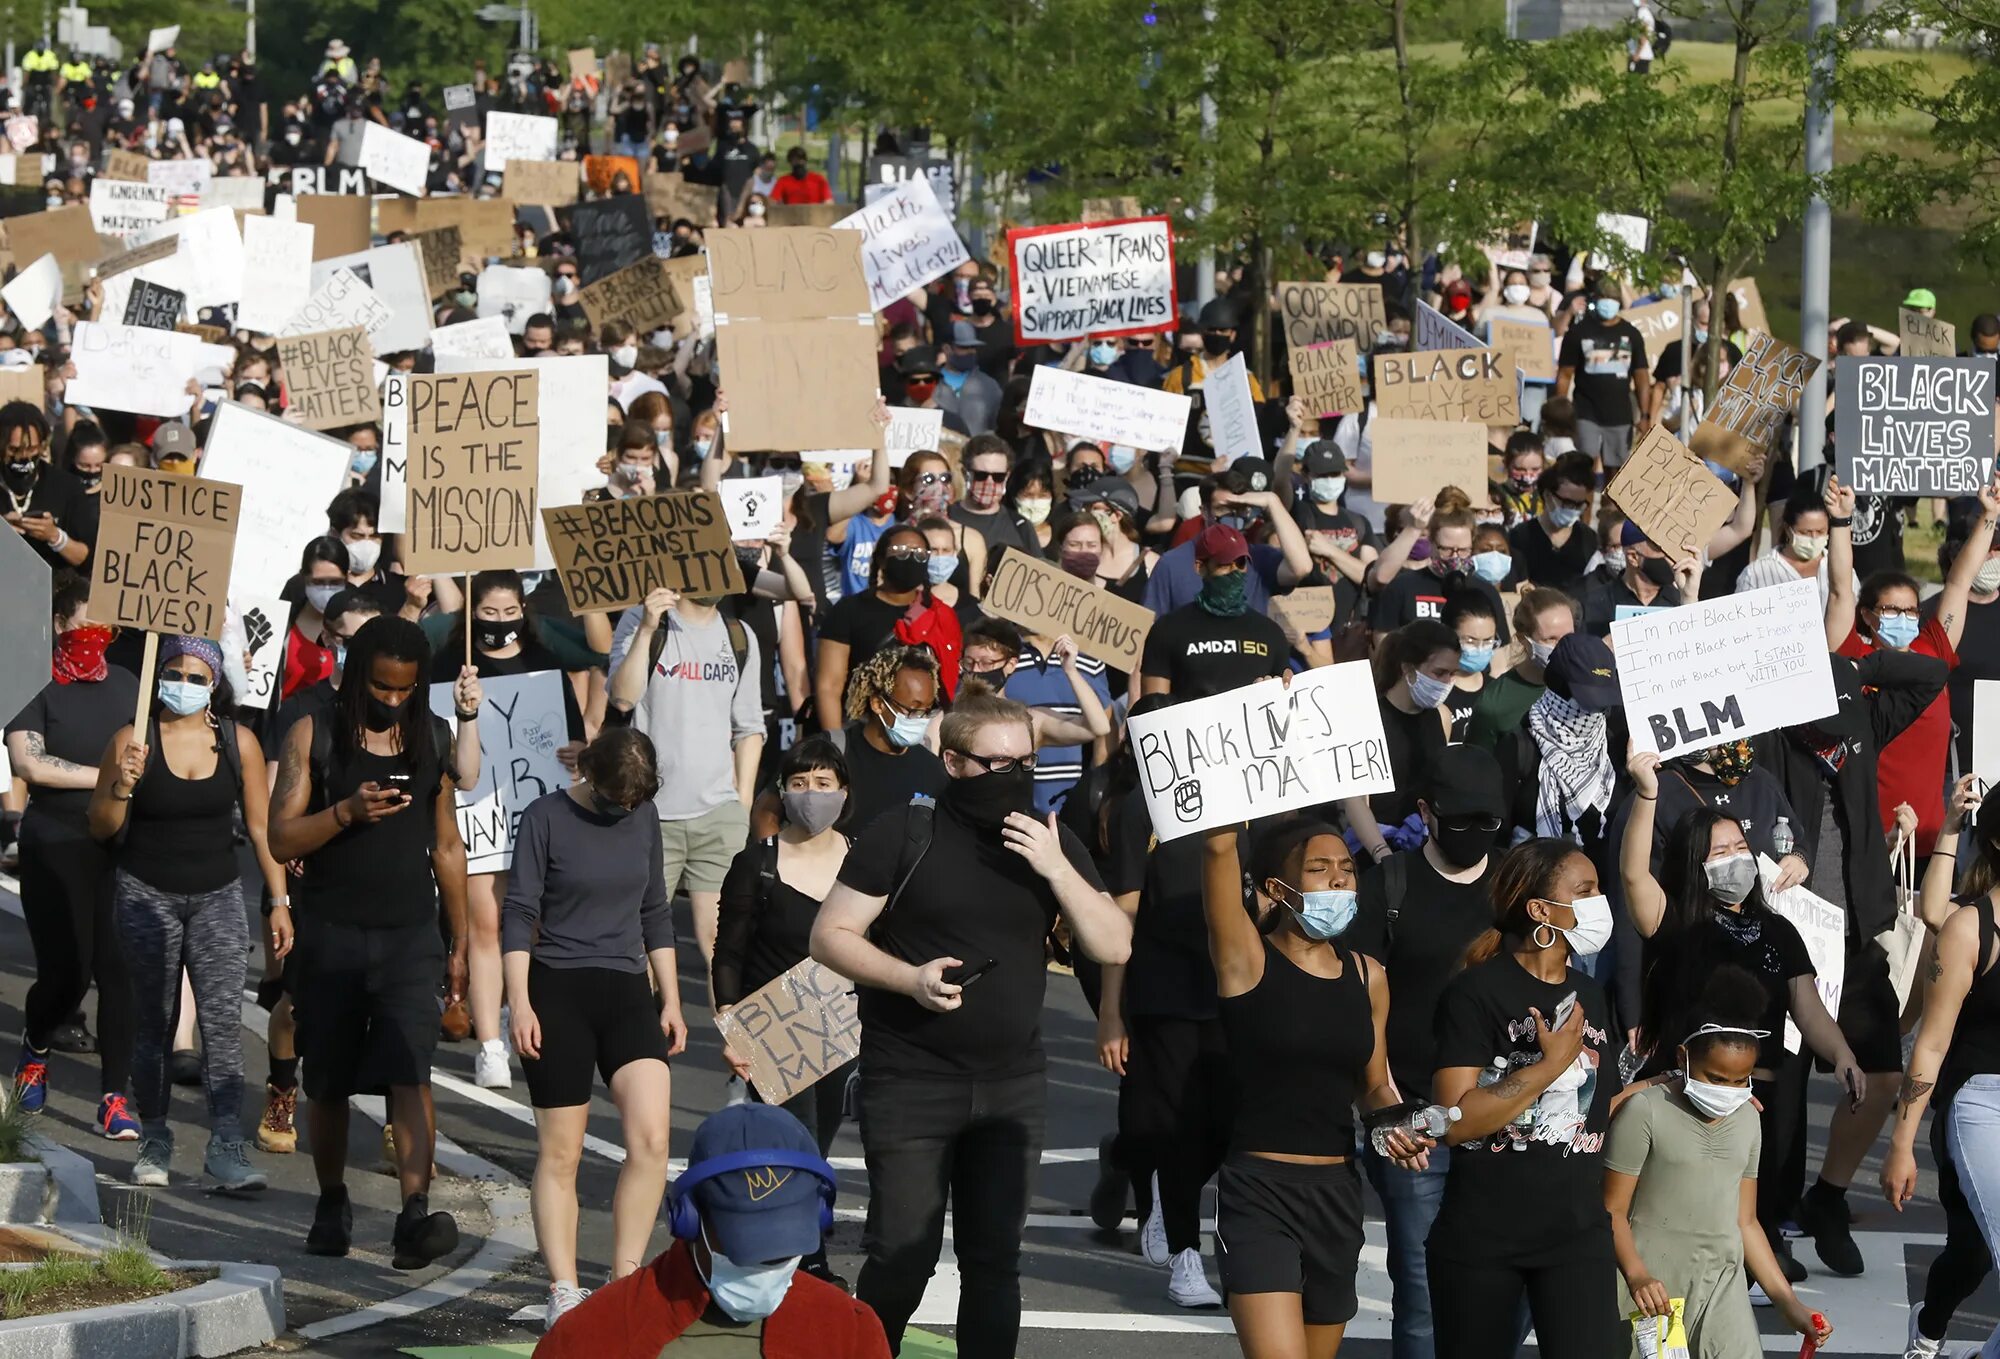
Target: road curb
{"type": "Point", "coordinates": [243, 1307]}
{"type": "Point", "coordinates": [71, 1191]}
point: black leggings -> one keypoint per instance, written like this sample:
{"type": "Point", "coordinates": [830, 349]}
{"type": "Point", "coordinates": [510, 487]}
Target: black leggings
{"type": "Point", "coordinates": [1572, 1291]}
{"type": "Point", "coordinates": [1962, 1266]}
{"type": "Point", "coordinates": [66, 896]}
{"type": "Point", "coordinates": [1781, 1169]}
{"type": "Point", "coordinates": [1174, 1109]}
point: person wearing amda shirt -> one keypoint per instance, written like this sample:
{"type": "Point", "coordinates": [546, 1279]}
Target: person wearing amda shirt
{"type": "Point", "coordinates": [941, 926]}
{"type": "Point", "coordinates": [1218, 642]}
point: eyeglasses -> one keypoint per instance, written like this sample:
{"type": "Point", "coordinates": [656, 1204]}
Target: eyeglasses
{"type": "Point", "coordinates": [986, 476]}
{"type": "Point", "coordinates": [1451, 554]}
{"type": "Point", "coordinates": [1582, 504]}
{"type": "Point", "coordinates": [900, 711]}
{"type": "Point", "coordinates": [185, 677]}
{"type": "Point", "coordinates": [910, 552]}
{"type": "Point", "coordinates": [999, 764]}
{"type": "Point", "coordinates": [1489, 824]}
{"type": "Point", "coordinates": [1911, 614]}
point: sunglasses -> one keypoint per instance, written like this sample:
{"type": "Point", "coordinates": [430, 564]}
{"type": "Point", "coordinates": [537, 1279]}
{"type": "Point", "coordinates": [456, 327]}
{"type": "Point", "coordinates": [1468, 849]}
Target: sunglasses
{"type": "Point", "coordinates": [999, 764]}
{"type": "Point", "coordinates": [933, 478]}
{"type": "Point", "coordinates": [987, 476]}
{"type": "Point", "coordinates": [185, 677]}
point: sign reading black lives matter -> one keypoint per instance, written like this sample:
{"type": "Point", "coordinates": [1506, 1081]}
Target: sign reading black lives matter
{"type": "Point", "coordinates": [1107, 278]}
{"type": "Point", "coordinates": [1262, 749]}
{"type": "Point", "coordinates": [1914, 426]}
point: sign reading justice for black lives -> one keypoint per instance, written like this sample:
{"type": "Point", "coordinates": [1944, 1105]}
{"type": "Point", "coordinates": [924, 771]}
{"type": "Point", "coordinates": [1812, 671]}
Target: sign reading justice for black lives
{"type": "Point", "coordinates": [1919, 427]}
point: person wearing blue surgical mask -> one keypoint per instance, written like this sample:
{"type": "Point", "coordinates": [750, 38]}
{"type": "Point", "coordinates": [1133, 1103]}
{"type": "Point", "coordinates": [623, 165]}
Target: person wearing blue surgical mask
{"type": "Point", "coordinates": [1419, 663]}
{"type": "Point", "coordinates": [1556, 546]}
{"type": "Point", "coordinates": [1603, 370]}
{"type": "Point", "coordinates": [1476, 622]}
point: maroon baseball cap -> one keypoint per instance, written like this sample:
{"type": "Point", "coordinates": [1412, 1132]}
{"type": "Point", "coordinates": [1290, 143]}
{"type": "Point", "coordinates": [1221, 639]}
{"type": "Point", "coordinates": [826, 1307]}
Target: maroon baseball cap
{"type": "Point", "coordinates": [1221, 543]}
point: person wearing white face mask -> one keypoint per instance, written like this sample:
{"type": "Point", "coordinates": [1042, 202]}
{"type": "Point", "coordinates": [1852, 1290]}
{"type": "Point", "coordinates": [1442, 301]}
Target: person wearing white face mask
{"type": "Point", "coordinates": [1801, 553]}
{"type": "Point", "coordinates": [1680, 1184]}
{"type": "Point", "coordinates": [1603, 369]}
{"type": "Point", "coordinates": [1556, 545]}
{"type": "Point", "coordinates": [1526, 1052]}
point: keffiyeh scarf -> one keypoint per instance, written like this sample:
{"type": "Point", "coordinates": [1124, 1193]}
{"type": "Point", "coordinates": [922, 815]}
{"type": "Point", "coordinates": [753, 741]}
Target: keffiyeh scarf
{"type": "Point", "coordinates": [1577, 773]}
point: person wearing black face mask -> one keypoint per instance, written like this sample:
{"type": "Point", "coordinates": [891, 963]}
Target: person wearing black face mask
{"type": "Point", "coordinates": [1650, 580]}
{"type": "Point", "coordinates": [41, 502]}
{"type": "Point", "coordinates": [1218, 323]}
{"type": "Point", "coordinates": [951, 1004]}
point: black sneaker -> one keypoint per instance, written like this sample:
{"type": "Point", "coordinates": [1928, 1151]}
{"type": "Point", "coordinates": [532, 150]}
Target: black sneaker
{"type": "Point", "coordinates": [1793, 1270]}
{"type": "Point", "coordinates": [185, 1067]}
{"type": "Point", "coordinates": [73, 1037]}
{"type": "Point", "coordinates": [333, 1224]}
{"type": "Point", "coordinates": [422, 1236]}
{"type": "Point", "coordinates": [1826, 1223]}
{"type": "Point", "coordinates": [1113, 1188]}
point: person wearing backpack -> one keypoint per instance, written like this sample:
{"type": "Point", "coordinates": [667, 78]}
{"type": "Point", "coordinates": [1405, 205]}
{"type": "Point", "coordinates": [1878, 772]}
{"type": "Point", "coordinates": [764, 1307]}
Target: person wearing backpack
{"type": "Point", "coordinates": [167, 804]}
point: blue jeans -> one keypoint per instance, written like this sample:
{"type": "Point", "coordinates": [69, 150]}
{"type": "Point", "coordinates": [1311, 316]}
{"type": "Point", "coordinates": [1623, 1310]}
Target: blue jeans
{"type": "Point", "coordinates": [1410, 1204]}
{"type": "Point", "coordinates": [1972, 1134]}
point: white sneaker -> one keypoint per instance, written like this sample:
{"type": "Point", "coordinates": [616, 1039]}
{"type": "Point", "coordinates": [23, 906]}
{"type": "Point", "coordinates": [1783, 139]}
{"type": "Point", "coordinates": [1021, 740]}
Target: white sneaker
{"type": "Point", "coordinates": [562, 1298]}
{"type": "Point", "coordinates": [1189, 1285]}
{"type": "Point", "coordinates": [489, 1068]}
{"type": "Point", "coordinates": [1758, 1297]}
{"type": "Point", "coordinates": [1153, 1234]}
{"type": "Point", "coordinates": [1920, 1346]}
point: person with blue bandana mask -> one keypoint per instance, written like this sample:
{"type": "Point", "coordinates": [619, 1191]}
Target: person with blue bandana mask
{"type": "Point", "coordinates": [1603, 370]}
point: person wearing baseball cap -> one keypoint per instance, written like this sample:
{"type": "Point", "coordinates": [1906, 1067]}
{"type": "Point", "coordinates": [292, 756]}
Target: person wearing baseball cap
{"type": "Point", "coordinates": [1244, 498]}
{"type": "Point", "coordinates": [1219, 641]}
{"type": "Point", "coordinates": [1650, 580]}
{"type": "Point", "coordinates": [754, 1199]}
{"type": "Point", "coordinates": [1921, 300]}
{"type": "Point", "coordinates": [1342, 543]}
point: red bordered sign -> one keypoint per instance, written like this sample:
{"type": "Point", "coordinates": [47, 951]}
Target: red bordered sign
{"type": "Point", "coordinates": [1099, 278]}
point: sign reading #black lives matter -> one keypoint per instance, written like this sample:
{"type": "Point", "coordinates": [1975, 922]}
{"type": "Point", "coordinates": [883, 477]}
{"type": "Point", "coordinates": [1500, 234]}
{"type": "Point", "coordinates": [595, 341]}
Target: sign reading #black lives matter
{"type": "Point", "coordinates": [1914, 426]}
{"type": "Point", "coordinates": [1107, 278]}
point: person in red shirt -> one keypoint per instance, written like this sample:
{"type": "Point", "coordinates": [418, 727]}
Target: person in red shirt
{"type": "Point", "coordinates": [801, 185]}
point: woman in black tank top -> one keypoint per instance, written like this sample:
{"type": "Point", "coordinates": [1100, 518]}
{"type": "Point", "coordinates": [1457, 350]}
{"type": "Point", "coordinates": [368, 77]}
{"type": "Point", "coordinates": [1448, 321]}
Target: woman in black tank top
{"type": "Point", "coordinates": [1957, 1060]}
{"type": "Point", "coordinates": [1304, 1019]}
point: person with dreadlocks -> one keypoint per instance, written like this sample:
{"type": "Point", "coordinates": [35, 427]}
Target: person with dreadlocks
{"type": "Point", "coordinates": [891, 701]}
{"type": "Point", "coordinates": [364, 802]}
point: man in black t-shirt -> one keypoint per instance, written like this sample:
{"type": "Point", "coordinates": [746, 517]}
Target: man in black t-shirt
{"type": "Point", "coordinates": [942, 930]}
{"type": "Point", "coordinates": [1647, 582]}
{"type": "Point", "coordinates": [1603, 371]}
{"type": "Point", "coordinates": [1216, 643]}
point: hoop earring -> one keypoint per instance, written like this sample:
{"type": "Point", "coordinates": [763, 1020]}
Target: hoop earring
{"type": "Point", "coordinates": [1536, 935]}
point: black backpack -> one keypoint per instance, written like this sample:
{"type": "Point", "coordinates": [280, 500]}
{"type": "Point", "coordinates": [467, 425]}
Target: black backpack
{"type": "Point", "coordinates": [1663, 38]}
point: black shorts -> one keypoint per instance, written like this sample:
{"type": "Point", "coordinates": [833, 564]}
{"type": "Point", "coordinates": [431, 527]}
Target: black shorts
{"type": "Point", "coordinates": [1285, 1228]}
{"type": "Point", "coordinates": [1870, 1019]}
{"type": "Point", "coordinates": [590, 1017]}
{"type": "Point", "coordinates": [367, 1003]}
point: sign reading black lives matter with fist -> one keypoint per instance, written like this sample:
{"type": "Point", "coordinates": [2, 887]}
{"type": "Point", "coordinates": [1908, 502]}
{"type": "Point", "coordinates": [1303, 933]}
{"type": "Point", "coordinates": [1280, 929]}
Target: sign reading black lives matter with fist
{"type": "Point", "coordinates": [1107, 278]}
{"type": "Point", "coordinates": [1265, 748]}
{"type": "Point", "coordinates": [1914, 426]}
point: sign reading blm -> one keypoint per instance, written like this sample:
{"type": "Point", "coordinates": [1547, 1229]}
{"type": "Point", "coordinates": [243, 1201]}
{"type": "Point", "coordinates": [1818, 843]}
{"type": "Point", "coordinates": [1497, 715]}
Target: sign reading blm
{"type": "Point", "coordinates": [1914, 426]}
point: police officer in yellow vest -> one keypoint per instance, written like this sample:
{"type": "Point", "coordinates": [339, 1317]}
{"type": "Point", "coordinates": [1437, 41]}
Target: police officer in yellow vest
{"type": "Point", "coordinates": [207, 78]}
{"type": "Point", "coordinates": [75, 85]}
{"type": "Point", "coordinates": [39, 66]}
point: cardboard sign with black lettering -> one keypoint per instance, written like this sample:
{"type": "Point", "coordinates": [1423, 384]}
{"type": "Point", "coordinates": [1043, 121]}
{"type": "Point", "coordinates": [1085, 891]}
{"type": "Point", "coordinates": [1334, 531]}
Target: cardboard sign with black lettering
{"type": "Point", "coordinates": [126, 165]}
{"type": "Point", "coordinates": [1327, 377]}
{"type": "Point", "coordinates": [547, 183]}
{"type": "Point", "coordinates": [164, 545]}
{"type": "Point", "coordinates": [1415, 459]}
{"type": "Point", "coordinates": [1659, 325]}
{"type": "Point", "coordinates": [795, 1030]}
{"type": "Point", "coordinates": [443, 248]}
{"type": "Point", "coordinates": [1668, 493]}
{"type": "Point", "coordinates": [638, 294]}
{"type": "Point", "coordinates": [154, 307]}
{"type": "Point", "coordinates": [1305, 611]}
{"type": "Point", "coordinates": [610, 233]}
{"type": "Point", "coordinates": [474, 461]}
{"type": "Point", "coordinates": [1457, 384]}
{"type": "Point", "coordinates": [339, 223]}
{"type": "Point", "coordinates": [1751, 407]}
{"type": "Point", "coordinates": [331, 375]}
{"type": "Point", "coordinates": [1914, 427]}
{"type": "Point", "coordinates": [1530, 344]}
{"type": "Point", "coordinates": [804, 214]}
{"type": "Point", "coordinates": [611, 554]}
{"type": "Point", "coordinates": [1925, 337]}
{"type": "Point", "coordinates": [1047, 600]}
{"type": "Point", "coordinates": [670, 195]}
{"type": "Point", "coordinates": [1317, 312]}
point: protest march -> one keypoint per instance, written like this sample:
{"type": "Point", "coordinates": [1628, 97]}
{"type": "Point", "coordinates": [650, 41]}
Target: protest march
{"type": "Point", "coordinates": [1065, 763]}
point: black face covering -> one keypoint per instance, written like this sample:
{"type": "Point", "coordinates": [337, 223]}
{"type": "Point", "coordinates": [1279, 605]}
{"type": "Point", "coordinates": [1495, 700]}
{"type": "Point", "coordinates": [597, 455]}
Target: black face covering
{"type": "Point", "coordinates": [905, 573]}
{"type": "Point", "coordinates": [605, 807]}
{"type": "Point", "coordinates": [493, 636]}
{"type": "Point", "coordinates": [988, 799]}
{"type": "Point", "coordinates": [1658, 570]}
{"type": "Point", "coordinates": [1213, 345]}
{"type": "Point", "coordinates": [1463, 846]}
{"type": "Point", "coordinates": [382, 716]}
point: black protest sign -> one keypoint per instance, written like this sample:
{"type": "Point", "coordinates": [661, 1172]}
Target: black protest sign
{"type": "Point", "coordinates": [154, 307]}
{"type": "Point", "coordinates": [1916, 427]}
{"type": "Point", "coordinates": [610, 233]}
{"type": "Point", "coordinates": [610, 554]}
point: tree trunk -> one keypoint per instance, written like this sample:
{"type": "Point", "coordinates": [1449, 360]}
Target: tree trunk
{"type": "Point", "coordinates": [1413, 241]}
{"type": "Point", "coordinates": [1720, 270]}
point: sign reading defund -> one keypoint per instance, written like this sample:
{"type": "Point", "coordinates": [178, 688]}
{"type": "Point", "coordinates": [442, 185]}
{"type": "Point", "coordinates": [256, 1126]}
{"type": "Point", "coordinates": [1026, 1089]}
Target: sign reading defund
{"type": "Point", "coordinates": [1914, 426]}
{"type": "Point", "coordinates": [475, 457]}
{"type": "Point", "coordinates": [1262, 749]}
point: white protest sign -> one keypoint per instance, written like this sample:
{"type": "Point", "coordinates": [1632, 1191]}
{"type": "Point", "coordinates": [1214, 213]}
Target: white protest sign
{"type": "Point", "coordinates": [1262, 749]}
{"type": "Point", "coordinates": [1232, 416]}
{"type": "Point", "coordinates": [160, 39]}
{"type": "Point", "coordinates": [1112, 278]}
{"type": "Point", "coordinates": [1986, 730]}
{"type": "Point", "coordinates": [208, 267]}
{"type": "Point", "coordinates": [289, 475]}
{"type": "Point", "coordinates": [240, 193]}
{"type": "Point", "coordinates": [395, 451]}
{"type": "Point", "coordinates": [485, 338]}
{"type": "Point", "coordinates": [911, 431]}
{"type": "Point", "coordinates": [182, 178]}
{"type": "Point", "coordinates": [1434, 330]}
{"type": "Point", "coordinates": [704, 306]}
{"type": "Point", "coordinates": [343, 300]}
{"type": "Point", "coordinates": [1724, 669]}
{"type": "Point", "coordinates": [1110, 412]}
{"type": "Point", "coordinates": [264, 620]}
{"type": "Point", "coordinates": [513, 295]}
{"type": "Point", "coordinates": [518, 136]}
{"type": "Point", "coordinates": [136, 369]}
{"type": "Point", "coordinates": [1633, 231]}
{"type": "Point", "coordinates": [754, 506]}
{"type": "Point", "coordinates": [122, 208]}
{"type": "Point", "coordinates": [277, 273]}
{"type": "Point", "coordinates": [34, 292]}
{"type": "Point", "coordinates": [400, 162]}
{"type": "Point", "coordinates": [395, 274]}
{"type": "Point", "coordinates": [906, 241]}
{"type": "Point", "coordinates": [521, 727]}
{"type": "Point", "coordinates": [1823, 926]}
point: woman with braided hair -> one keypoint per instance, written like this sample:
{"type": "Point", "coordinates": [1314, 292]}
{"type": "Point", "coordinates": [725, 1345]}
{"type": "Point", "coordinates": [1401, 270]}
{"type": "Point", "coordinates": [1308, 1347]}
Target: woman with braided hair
{"type": "Point", "coordinates": [892, 709]}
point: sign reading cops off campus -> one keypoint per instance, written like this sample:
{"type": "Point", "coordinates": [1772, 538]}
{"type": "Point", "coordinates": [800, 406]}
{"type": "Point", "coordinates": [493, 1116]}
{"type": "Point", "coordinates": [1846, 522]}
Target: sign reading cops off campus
{"type": "Point", "coordinates": [1107, 278]}
{"type": "Point", "coordinates": [1264, 748]}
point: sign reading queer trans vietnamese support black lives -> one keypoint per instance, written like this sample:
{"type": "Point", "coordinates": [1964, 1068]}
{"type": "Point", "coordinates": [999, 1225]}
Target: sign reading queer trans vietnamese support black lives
{"type": "Point", "coordinates": [1108, 278]}
{"type": "Point", "coordinates": [1262, 749]}
{"type": "Point", "coordinates": [1914, 426]}
{"type": "Point", "coordinates": [611, 554]}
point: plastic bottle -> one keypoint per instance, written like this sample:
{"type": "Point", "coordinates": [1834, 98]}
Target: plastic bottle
{"type": "Point", "coordinates": [1782, 839]}
{"type": "Point", "coordinates": [1432, 1121]}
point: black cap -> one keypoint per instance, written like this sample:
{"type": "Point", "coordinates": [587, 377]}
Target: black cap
{"type": "Point", "coordinates": [917, 359]}
{"type": "Point", "coordinates": [1323, 458]}
{"type": "Point", "coordinates": [1582, 670]}
{"type": "Point", "coordinates": [1463, 781]}
{"type": "Point", "coordinates": [1114, 491]}
{"type": "Point", "coordinates": [1246, 474]}
{"type": "Point", "coordinates": [1218, 315]}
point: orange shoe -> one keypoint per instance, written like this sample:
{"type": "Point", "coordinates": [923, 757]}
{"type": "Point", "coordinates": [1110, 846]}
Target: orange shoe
{"type": "Point", "coordinates": [277, 1132]}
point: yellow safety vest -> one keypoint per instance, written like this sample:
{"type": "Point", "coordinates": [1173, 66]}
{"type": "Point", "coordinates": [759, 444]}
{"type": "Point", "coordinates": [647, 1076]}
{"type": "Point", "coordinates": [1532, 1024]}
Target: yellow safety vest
{"type": "Point", "coordinates": [39, 62]}
{"type": "Point", "coordinates": [207, 80]}
{"type": "Point", "coordinates": [75, 72]}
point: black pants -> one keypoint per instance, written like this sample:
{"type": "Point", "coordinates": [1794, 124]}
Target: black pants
{"type": "Point", "coordinates": [1174, 1113]}
{"type": "Point", "coordinates": [1571, 1291]}
{"type": "Point", "coordinates": [1964, 1262]}
{"type": "Point", "coordinates": [66, 896]}
{"type": "Point", "coordinates": [978, 1144]}
{"type": "Point", "coordinates": [819, 1108]}
{"type": "Point", "coordinates": [1781, 1171]}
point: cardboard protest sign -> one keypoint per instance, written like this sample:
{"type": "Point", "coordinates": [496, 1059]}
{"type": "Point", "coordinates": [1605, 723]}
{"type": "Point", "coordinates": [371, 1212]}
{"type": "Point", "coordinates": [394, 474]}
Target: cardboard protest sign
{"type": "Point", "coordinates": [601, 174]}
{"type": "Point", "coordinates": [485, 338]}
{"type": "Point", "coordinates": [1262, 749]}
{"type": "Point", "coordinates": [343, 300]}
{"type": "Point", "coordinates": [1415, 459]}
{"type": "Point", "coordinates": [911, 431]}
{"type": "Point", "coordinates": [330, 377]}
{"type": "Point", "coordinates": [793, 324]}
{"type": "Point", "coordinates": [519, 136]}
{"type": "Point", "coordinates": [264, 637]}
{"type": "Point", "coordinates": [288, 475]}
{"type": "Point", "coordinates": [277, 272]}
{"type": "Point", "coordinates": [1514, 248]}
{"type": "Point", "coordinates": [1919, 427]}
{"type": "Point", "coordinates": [160, 39]}
{"type": "Point", "coordinates": [126, 165]}
{"type": "Point", "coordinates": [125, 368]}
{"type": "Point", "coordinates": [242, 193]}
{"type": "Point", "coordinates": [521, 727]}
{"type": "Point", "coordinates": [1752, 405]}
{"type": "Point", "coordinates": [1327, 377]}
{"type": "Point", "coordinates": [803, 214]}
{"type": "Point", "coordinates": [753, 505]}
{"type": "Point", "coordinates": [1105, 278]}
{"type": "Point", "coordinates": [1823, 928]}
{"type": "Point", "coordinates": [485, 225]}
{"type": "Point", "coordinates": [906, 241]}
{"type": "Point", "coordinates": [551, 183]}
{"type": "Point", "coordinates": [1460, 384]}
{"type": "Point", "coordinates": [1232, 415]}
{"type": "Point", "coordinates": [1671, 496]}
{"type": "Point", "coordinates": [442, 249]}
{"type": "Point", "coordinates": [67, 232]}
{"type": "Point", "coordinates": [1432, 329]}
{"type": "Point", "coordinates": [475, 442]}
{"type": "Point", "coordinates": [670, 195]}
{"type": "Point", "coordinates": [154, 307]}
{"type": "Point", "coordinates": [395, 274]}
{"type": "Point", "coordinates": [163, 550]}
{"type": "Point", "coordinates": [149, 253]}
{"type": "Point", "coordinates": [583, 64]}
{"type": "Point", "coordinates": [1315, 313]}
{"type": "Point", "coordinates": [1726, 668]}
{"type": "Point", "coordinates": [638, 294]}
{"type": "Point", "coordinates": [121, 208]}
{"type": "Point", "coordinates": [32, 293]}
{"type": "Point", "coordinates": [1303, 612]}
{"type": "Point", "coordinates": [1749, 304]}
{"type": "Point", "coordinates": [610, 233]}
{"type": "Point", "coordinates": [610, 554]}
{"type": "Point", "coordinates": [1925, 336]}
{"type": "Point", "coordinates": [1049, 601]}
{"type": "Point", "coordinates": [403, 163]}
{"type": "Point", "coordinates": [340, 224]}
{"type": "Point", "coordinates": [1530, 346]}
{"type": "Point", "coordinates": [514, 295]}
{"type": "Point", "coordinates": [1659, 325]}
{"type": "Point", "coordinates": [24, 616]}
{"type": "Point", "coordinates": [1110, 412]}
{"type": "Point", "coordinates": [794, 1030]}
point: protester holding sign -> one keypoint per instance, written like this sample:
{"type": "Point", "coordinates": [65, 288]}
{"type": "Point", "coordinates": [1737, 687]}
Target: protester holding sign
{"type": "Point", "coordinates": [44, 504]}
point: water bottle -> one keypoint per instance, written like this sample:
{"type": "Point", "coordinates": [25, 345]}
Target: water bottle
{"type": "Point", "coordinates": [1782, 840]}
{"type": "Point", "coordinates": [1431, 1121]}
